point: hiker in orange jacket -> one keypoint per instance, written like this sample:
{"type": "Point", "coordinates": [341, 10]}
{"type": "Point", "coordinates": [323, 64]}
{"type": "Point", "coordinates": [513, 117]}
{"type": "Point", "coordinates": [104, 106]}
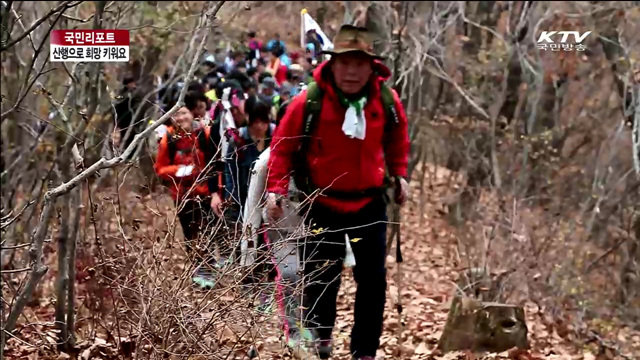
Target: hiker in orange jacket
{"type": "Point", "coordinates": [351, 141]}
{"type": "Point", "coordinates": [181, 163]}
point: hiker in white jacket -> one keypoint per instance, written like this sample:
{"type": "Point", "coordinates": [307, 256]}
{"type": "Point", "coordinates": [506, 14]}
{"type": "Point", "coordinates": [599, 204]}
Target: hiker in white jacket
{"type": "Point", "coordinates": [281, 243]}
{"type": "Point", "coordinates": [254, 213]}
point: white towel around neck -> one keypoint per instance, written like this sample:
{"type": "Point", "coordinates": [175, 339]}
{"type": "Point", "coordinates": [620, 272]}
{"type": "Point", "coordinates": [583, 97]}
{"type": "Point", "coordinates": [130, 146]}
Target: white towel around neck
{"type": "Point", "coordinates": [355, 126]}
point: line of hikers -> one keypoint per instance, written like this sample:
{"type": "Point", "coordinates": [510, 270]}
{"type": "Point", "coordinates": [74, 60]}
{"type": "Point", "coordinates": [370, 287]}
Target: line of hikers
{"type": "Point", "coordinates": [322, 157]}
{"type": "Point", "coordinates": [268, 70]}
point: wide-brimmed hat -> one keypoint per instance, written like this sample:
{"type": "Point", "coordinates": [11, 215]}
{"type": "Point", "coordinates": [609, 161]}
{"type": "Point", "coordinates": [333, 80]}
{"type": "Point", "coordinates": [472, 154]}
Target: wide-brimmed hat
{"type": "Point", "coordinates": [296, 68]}
{"type": "Point", "coordinates": [353, 39]}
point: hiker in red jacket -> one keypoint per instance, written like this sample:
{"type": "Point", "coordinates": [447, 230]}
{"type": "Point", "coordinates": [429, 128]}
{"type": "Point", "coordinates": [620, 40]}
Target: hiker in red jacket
{"type": "Point", "coordinates": [351, 142]}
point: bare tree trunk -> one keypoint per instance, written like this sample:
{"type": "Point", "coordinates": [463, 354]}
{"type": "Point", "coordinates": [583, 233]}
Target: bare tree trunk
{"type": "Point", "coordinates": [4, 30]}
{"type": "Point", "coordinates": [636, 134]}
{"type": "Point", "coordinates": [423, 200]}
{"type": "Point", "coordinates": [62, 281]}
{"type": "Point", "coordinates": [514, 79]}
{"type": "Point", "coordinates": [377, 22]}
{"type": "Point", "coordinates": [35, 251]}
{"type": "Point", "coordinates": [348, 12]}
{"type": "Point", "coordinates": [76, 202]}
{"type": "Point", "coordinates": [38, 269]}
{"type": "Point", "coordinates": [607, 27]}
{"type": "Point", "coordinates": [630, 271]}
{"type": "Point", "coordinates": [321, 13]}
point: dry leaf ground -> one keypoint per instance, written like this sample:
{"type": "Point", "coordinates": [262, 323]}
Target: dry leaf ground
{"type": "Point", "coordinates": [428, 272]}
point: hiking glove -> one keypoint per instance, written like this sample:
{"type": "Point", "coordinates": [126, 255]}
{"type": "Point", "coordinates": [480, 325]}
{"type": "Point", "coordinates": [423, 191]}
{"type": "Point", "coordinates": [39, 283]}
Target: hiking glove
{"type": "Point", "coordinates": [274, 206]}
{"type": "Point", "coordinates": [184, 170]}
{"type": "Point", "coordinates": [401, 191]}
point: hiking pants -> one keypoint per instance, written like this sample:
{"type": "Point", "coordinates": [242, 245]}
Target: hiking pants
{"type": "Point", "coordinates": [324, 255]}
{"type": "Point", "coordinates": [283, 248]}
{"type": "Point", "coordinates": [201, 227]}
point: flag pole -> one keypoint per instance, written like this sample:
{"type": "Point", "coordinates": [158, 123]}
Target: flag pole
{"type": "Point", "coordinates": [304, 11]}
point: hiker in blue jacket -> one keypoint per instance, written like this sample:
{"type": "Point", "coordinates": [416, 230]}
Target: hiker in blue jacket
{"type": "Point", "coordinates": [246, 145]}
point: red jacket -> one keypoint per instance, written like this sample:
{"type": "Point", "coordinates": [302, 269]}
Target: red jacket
{"type": "Point", "coordinates": [281, 74]}
{"type": "Point", "coordinates": [187, 153]}
{"type": "Point", "coordinates": [337, 162]}
{"type": "Point", "coordinates": [280, 71]}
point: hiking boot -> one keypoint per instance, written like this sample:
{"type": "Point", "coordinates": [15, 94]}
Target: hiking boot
{"type": "Point", "coordinates": [204, 278]}
{"type": "Point", "coordinates": [324, 349]}
{"type": "Point", "coordinates": [267, 302]}
{"type": "Point", "coordinates": [221, 263]}
{"type": "Point", "coordinates": [298, 344]}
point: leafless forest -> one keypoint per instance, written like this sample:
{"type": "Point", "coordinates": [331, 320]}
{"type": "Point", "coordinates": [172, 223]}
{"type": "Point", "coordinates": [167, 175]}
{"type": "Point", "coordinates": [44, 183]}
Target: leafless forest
{"type": "Point", "coordinates": [524, 163]}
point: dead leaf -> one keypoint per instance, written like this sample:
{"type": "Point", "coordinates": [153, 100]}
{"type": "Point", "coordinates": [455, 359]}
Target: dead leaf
{"type": "Point", "coordinates": [422, 349]}
{"type": "Point", "coordinates": [50, 340]}
{"type": "Point", "coordinates": [453, 355]}
{"type": "Point", "coordinates": [86, 354]}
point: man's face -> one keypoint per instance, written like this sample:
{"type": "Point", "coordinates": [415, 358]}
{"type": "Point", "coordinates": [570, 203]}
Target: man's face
{"type": "Point", "coordinates": [351, 71]}
{"type": "Point", "coordinates": [132, 86]}
{"type": "Point", "coordinates": [268, 91]}
{"type": "Point", "coordinates": [184, 119]}
{"type": "Point", "coordinates": [201, 110]}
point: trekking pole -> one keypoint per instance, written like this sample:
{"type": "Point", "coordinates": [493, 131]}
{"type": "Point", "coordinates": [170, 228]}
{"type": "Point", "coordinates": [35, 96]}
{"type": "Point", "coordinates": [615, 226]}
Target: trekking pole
{"type": "Point", "coordinates": [399, 261]}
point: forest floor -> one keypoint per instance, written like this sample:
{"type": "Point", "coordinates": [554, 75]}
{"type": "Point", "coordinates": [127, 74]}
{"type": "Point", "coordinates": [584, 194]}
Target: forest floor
{"type": "Point", "coordinates": [429, 273]}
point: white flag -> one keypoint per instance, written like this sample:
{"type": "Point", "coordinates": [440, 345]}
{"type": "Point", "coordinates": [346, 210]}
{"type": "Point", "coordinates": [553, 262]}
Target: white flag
{"type": "Point", "coordinates": [308, 23]}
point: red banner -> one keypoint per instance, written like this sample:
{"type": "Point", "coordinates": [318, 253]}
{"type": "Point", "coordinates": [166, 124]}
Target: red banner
{"type": "Point", "coordinates": [90, 37]}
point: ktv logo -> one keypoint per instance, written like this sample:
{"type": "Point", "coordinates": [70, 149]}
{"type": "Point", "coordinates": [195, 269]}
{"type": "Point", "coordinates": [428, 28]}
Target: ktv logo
{"type": "Point", "coordinates": [549, 40]}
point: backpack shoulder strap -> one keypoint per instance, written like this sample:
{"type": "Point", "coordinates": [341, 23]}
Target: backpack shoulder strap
{"type": "Point", "coordinates": [389, 103]}
{"type": "Point", "coordinates": [204, 141]}
{"type": "Point", "coordinates": [171, 144]}
{"type": "Point", "coordinates": [391, 119]}
{"type": "Point", "coordinates": [312, 108]}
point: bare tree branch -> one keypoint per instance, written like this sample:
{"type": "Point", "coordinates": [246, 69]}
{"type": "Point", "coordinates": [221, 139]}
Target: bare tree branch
{"type": "Point", "coordinates": [636, 131]}
{"type": "Point", "coordinates": [25, 91]}
{"type": "Point", "coordinates": [62, 7]}
{"type": "Point", "coordinates": [38, 269]}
